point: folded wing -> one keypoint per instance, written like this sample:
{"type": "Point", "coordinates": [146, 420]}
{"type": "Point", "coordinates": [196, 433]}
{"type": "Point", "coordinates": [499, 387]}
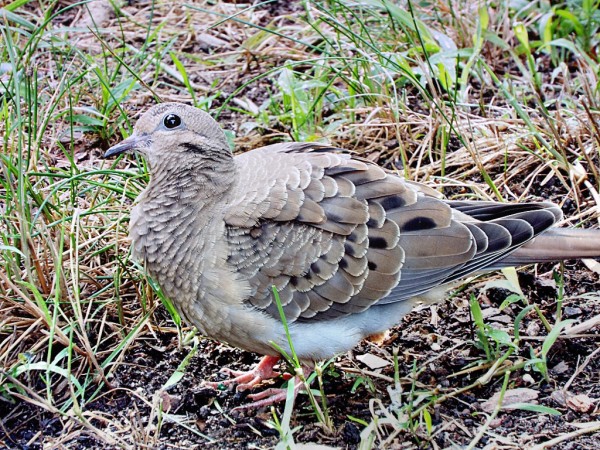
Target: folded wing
{"type": "Point", "coordinates": [337, 235]}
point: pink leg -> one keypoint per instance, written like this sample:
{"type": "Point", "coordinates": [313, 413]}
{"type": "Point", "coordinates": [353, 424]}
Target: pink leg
{"type": "Point", "coordinates": [274, 395]}
{"type": "Point", "coordinates": [246, 380]}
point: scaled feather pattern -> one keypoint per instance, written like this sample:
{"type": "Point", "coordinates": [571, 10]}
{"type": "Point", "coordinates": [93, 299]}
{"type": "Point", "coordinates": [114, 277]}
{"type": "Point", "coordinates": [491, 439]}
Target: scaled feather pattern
{"type": "Point", "coordinates": [350, 247]}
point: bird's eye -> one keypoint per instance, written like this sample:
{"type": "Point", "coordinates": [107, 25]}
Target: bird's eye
{"type": "Point", "coordinates": [172, 121]}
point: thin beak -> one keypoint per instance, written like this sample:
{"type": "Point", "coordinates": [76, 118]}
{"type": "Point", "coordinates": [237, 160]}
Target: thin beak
{"type": "Point", "coordinates": [131, 143]}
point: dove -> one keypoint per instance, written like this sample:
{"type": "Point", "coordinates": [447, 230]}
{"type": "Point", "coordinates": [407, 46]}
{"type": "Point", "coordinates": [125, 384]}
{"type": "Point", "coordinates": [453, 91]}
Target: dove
{"type": "Point", "coordinates": [350, 247]}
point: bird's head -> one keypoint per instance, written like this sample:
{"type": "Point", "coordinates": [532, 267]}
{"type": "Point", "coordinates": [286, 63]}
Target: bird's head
{"type": "Point", "coordinates": [174, 133]}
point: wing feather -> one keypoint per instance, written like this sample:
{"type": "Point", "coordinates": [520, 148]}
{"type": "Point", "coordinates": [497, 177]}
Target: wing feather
{"type": "Point", "coordinates": [337, 235]}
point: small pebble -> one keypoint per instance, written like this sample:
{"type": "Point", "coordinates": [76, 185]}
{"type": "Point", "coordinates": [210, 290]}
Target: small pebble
{"type": "Point", "coordinates": [572, 311]}
{"type": "Point", "coordinates": [528, 379]}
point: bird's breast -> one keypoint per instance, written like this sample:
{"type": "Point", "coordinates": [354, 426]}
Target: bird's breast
{"type": "Point", "coordinates": [185, 251]}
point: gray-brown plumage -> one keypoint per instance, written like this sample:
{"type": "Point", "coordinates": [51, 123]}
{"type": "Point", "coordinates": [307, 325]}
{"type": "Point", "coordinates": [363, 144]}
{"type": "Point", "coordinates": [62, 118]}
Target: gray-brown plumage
{"type": "Point", "coordinates": [350, 247]}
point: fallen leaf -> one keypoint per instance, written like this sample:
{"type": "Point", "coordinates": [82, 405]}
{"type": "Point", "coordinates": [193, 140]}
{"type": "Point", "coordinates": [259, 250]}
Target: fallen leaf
{"type": "Point", "coordinates": [372, 361]}
{"type": "Point", "coordinates": [560, 368]}
{"type": "Point", "coordinates": [96, 14]}
{"type": "Point", "coordinates": [501, 318]}
{"type": "Point", "coordinates": [592, 264]}
{"type": "Point", "coordinates": [489, 312]}
{"type": "Point", "coordinates": [208, 41]}
{"type": "Point", "coordinates": [511, 396]}
{"type": "Point", "coordinates": [166, 401]}
{"type": "Point", "coordinates": [580, 403]}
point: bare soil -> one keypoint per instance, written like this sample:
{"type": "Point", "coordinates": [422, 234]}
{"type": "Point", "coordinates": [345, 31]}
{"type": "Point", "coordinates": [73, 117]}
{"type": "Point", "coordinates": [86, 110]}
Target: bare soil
{"type": "Point", "coordinates": [443, 342]}
{"type": "Point", "coordinates": [433, 344]}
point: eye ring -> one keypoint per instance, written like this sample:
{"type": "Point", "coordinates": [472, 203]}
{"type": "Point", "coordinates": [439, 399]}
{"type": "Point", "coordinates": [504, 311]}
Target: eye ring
{"type": "Point", "coordinates": [172, 121]}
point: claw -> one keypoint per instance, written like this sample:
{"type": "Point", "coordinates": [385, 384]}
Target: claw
{"type": "Point", "coordinates": [247, 380]}
{"type": "Point", "coordinates": [270, 396]}
{"type": "Point", "coordinates": [274, 395]}
{"type": "Point", "coordinates": [251, 378]}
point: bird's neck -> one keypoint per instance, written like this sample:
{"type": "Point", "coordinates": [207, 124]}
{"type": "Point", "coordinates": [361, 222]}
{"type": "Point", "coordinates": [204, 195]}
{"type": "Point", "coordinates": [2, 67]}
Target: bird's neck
{"type": "Point", "coordinates": [199, 180]}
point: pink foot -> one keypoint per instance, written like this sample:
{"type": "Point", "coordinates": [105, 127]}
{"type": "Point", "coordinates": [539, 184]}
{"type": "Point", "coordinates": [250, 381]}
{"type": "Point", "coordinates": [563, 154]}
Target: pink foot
{"type": "Point", "coordinates": [247, 380]}
{"type": "Point", "coordinates": [274, 395]}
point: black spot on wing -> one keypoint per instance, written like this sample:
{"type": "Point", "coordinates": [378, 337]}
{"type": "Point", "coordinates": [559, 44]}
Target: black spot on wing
{"type": "Point", "coordinates": [419, 223]}
{"type": "Point", "coordinates": [371, 265]}
{"type": "Point", "coordinates": [314, 267]}
{"type": "Point", "coordinates": [373, 223]}
{"type": "Point", "coordinates": [392, 202]}
{"type": "Point", "coordinates": [377, 242]}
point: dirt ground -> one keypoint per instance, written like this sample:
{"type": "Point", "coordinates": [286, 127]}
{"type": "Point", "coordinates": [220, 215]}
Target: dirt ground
{"type": "Point", "coordinates": [435, 338]}
{"type": "Point", "coordinates": [437, 355]}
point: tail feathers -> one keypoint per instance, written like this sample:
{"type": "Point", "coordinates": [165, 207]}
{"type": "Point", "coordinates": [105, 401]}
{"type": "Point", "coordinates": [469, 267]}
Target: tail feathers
{"type": "Point", "coordinates": [556, 244]}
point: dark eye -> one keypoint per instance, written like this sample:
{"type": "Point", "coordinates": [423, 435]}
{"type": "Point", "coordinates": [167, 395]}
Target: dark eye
{"type": "Point", "coordinates": [172, 121]}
